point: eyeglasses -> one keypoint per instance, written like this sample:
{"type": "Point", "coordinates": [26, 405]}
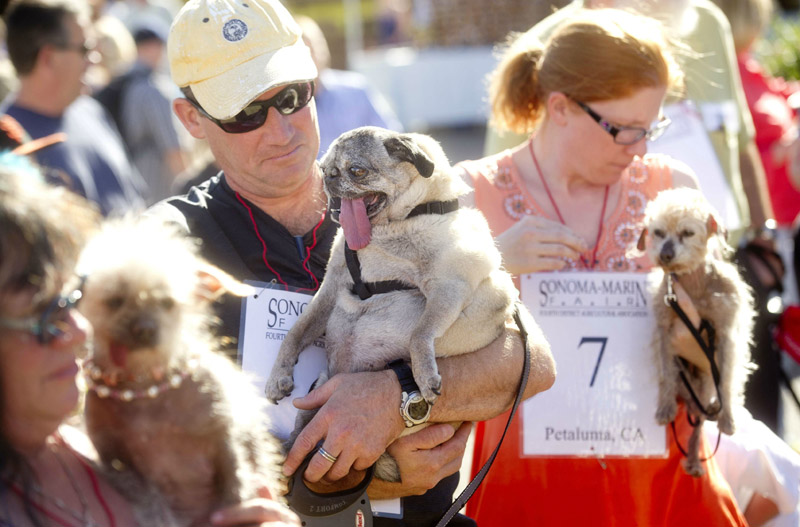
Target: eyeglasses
{"type": "Point", "coordinates": [627, 135]}
{"type": "Point", "coordinates": [292, 98]}
{"type": "Point", "coordinates": [52, 323]}
{"type": "Point", "coordinates": [83, 48]}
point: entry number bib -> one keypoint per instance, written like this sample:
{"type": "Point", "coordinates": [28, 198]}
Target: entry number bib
{"type": "Point", "coordinates": [266, 317]}
{"type": "Point", "coordinates": [603, 402]}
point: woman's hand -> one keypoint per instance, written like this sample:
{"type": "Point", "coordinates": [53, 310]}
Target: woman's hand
{"type": "Point", "coordinates": [681, 336]}
{"type": "Point", "coordinates": [263, 511]}
{"type": "Point", "coordinates": [537, 244]}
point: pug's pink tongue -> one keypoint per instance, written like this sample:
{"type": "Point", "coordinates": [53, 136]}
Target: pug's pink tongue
{"type": "Point", "coordinates": [119, 354]}
{"type": "Point", "coordinates": [355, 223]}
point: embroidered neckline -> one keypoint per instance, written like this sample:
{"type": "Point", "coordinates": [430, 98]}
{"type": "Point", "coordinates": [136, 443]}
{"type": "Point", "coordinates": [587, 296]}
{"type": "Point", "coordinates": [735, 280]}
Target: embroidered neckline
{"type": "Point", "coordinates": [104, 384]}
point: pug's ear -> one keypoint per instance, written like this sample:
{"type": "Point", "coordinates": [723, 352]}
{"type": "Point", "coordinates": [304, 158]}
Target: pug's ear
{"type": "Point", "coordinates": [640, 245]}
{"type": "Point", "coordinates": [406, 149]}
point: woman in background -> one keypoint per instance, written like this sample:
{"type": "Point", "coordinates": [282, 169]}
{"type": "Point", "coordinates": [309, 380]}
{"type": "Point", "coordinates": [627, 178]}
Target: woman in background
{"type": "Point", "coordinates": [571, 198]}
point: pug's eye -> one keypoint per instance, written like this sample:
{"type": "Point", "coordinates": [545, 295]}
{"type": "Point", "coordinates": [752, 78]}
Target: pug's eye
{"type": "Point", "coordinates": [167, 303]}
{"type": "Point", "coordinates": [658, 233]}
{"type": "Point", "coordinates": [358, 171]}
{"type": "Point", "coordinates": [686, 233]}
{"type": "Point", "coordinates": [114, 303]}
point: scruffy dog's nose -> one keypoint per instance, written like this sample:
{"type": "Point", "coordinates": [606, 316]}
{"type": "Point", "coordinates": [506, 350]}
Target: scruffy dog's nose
{"type": "Point", "coordinates": [667, 252]}
{"type": "Point", "coordinates": [144, 331]}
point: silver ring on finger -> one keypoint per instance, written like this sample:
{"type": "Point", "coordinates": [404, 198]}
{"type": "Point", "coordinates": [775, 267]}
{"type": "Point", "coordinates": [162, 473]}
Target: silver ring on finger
{"type": "Point", "coordinates": [327, 455]}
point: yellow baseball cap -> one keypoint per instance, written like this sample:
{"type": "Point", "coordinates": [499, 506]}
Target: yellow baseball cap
{"type": "Point", "coordinates": [231, 51]}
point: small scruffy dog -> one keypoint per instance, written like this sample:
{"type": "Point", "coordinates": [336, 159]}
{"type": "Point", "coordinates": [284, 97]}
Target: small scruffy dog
{"type": "Point", "coordinates": [685, 242]}
{"type": "Point", "coordinates": [180, 428]}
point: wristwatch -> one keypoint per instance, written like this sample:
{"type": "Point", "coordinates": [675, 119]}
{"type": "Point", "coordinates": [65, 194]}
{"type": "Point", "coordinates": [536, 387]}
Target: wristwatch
{"type": "Point", "coordinates": [414, 409]}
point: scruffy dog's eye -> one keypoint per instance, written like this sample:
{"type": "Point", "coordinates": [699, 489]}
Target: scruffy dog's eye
{"type": "Point", "coordinates": [167, 303]}
{"type": "Point", "coordinates": [687, 233]}
{"type": "Point", "coordinates": [358, 171]}
{"type": "Point", "coordinates": [658, 233]}
{"type": "Point", "coordinates": [114, 303]}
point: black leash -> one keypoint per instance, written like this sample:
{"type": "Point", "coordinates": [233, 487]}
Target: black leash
{"type": "Point", "coordinates": [708, 346]}
{"type": "Point", "coordinates": [694, 424]}
{"type": "Point", "coordinates": [365, 290]}
{"type": "Point", "coordinates": [467, 493]}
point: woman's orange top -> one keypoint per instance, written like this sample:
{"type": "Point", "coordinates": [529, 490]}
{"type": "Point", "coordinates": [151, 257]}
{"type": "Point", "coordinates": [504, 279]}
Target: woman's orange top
{"type": "Point", "coordinates": [566, 492]}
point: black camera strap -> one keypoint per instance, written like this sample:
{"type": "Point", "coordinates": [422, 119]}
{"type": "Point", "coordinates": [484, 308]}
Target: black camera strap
{"type": "Point", "coordinates": [467, 493]}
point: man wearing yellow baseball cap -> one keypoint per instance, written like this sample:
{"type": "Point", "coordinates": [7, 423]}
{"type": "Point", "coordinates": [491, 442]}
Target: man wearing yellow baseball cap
{"type": "Point", "coordinates": [248, 84]}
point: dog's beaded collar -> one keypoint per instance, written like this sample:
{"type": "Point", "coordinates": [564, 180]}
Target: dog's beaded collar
{"type": "Point", "coordinates": [101, 383]}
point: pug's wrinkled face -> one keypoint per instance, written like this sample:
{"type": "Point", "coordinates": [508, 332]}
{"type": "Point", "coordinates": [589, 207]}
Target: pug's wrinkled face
{"type": "Point", "coordinates": [371, 172]}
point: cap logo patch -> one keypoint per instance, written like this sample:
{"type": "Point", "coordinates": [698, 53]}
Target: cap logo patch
{"type": "Point", "coordinates": [234, 30]}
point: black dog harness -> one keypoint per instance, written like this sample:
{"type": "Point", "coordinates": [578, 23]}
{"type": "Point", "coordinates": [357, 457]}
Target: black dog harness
{"type": "Point", "coordinates": [365, 290]}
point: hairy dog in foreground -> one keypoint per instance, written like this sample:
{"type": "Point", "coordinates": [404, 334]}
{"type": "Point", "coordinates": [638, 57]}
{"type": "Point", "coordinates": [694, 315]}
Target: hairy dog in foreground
{"type": "Point", "coordinates": [179, 427]}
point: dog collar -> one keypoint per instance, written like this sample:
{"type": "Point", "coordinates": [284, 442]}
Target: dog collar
{"type": "Point", "coordinates": [101, 383]}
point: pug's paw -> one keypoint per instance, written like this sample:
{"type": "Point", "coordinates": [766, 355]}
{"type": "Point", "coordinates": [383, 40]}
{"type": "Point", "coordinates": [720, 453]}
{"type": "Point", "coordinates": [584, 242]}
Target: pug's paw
{"type": "Point", "coordinates": [431, 388]}
{"type": "Point", "coordinates": [279, 385]}
{"type": "Point", "coordinates": [426, 375]}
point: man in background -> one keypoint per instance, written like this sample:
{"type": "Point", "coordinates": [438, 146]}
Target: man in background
{"type": "Point", "coordinates": [47, 44]}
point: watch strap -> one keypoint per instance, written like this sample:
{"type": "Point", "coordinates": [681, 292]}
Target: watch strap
{"type": "Point", "coordinates": [404, 375]}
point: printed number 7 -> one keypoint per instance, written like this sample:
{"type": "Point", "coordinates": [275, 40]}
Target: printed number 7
{"type": "Point", "coordinates": [595, 340]}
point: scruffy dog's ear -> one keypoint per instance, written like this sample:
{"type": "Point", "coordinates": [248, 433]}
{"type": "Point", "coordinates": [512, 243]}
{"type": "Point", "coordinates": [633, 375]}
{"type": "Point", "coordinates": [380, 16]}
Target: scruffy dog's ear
{"type": "Point", "coordinates": [641, 243]}
{"type": "Point", "coordinates": [405, 149]}
{"type": "Point", "coordinates": [213, 282]}
{"type": "Point", "coordinates": [713, 227]}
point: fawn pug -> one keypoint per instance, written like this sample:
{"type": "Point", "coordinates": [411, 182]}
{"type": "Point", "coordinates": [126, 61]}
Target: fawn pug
{"type": "Point", "coordinates": [399, 216]}
{"type": "Point", "coordinates": [685, 242]}
{"type": "Point", "coordinates": [178, 426]}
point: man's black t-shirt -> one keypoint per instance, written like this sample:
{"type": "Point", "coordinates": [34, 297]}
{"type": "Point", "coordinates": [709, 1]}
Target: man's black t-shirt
{"type": "Point", "coordinates": [248, 244]}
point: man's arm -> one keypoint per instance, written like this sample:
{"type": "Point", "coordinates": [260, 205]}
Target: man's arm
{"type": "Point", "coordinates": [359, 412]}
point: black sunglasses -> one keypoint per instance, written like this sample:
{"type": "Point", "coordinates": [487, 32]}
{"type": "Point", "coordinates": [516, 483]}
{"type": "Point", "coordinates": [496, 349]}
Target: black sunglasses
{"type": "Point", "coordinates": [52, 323]}
{"type": "Point", "coordinates": [83, 48]}
{"type": "Point", "coordinates": [627, 135]}
{"type": "Point", "coordinates": [292, 98]}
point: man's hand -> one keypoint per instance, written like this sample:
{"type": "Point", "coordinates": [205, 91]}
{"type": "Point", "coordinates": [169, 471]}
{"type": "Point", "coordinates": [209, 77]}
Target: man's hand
{"type": "Point", "coordinates": [424, 459]}
{"type": "Point", "coordinates": [359, 417]}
